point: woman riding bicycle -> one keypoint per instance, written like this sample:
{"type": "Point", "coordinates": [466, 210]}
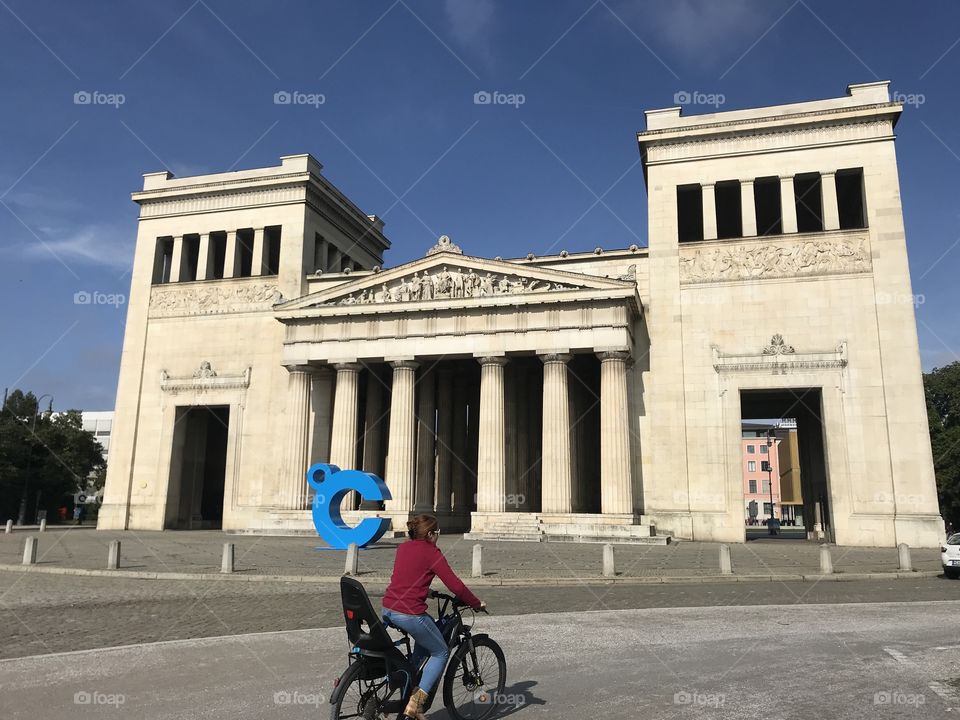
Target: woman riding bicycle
{"type": "Point", "coordinates": [418, 561]}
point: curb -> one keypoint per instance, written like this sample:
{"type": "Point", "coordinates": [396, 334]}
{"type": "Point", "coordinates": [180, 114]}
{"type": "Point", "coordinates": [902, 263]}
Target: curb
{"type": "Point", "coordinates": [480, 582]}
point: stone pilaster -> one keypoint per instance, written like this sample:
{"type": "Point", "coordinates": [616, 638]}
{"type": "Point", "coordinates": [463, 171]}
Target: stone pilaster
{"type": "Point", "coordinates": [444, 438]}
{"type": "Point", "coordinates": [293, 487]}
{"type": "Point", "coordinates": [708, 191]}
{"type": "Point", "coordinates": [343, 439]}
{"type": "Point", "coordinates": [556, 469]}
{"type": "Point", "coordinates": [748, 208]}
{"type": "Point", "coordinates": [831, 211]}
{"type": "Point", "coordinates": [231, 262]}
{"type": "Point", "coordinates": [205, 258]}
{"type": "Point", "coordinates": [426, 441]}
{"type": "Point", "coordinates": [491, 448]}
{"type": "Point", "coordinates": [402, 446]}
{"type": "Point", "coordinates": [616, 484]}
{"type": "Point", "coordinates": [258, 266]}
{"type": "Point", "coordinates": [177, 261]}
{"type": "Point", "coordinates": [788, 205]}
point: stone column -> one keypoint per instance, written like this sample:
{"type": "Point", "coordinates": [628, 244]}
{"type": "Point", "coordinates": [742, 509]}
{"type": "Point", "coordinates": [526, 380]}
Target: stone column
{"type": "Point", "coordinates": [343, 438]}
{"type": "Point", "coordinates": [258, 265]}
{"type": "Point", "coordinates": [373, 422]}
{"type": "Point", "coordinates": [459, 464]}
{"type": "Point", "coordinates": [831, 212]}
{"type": "Point", "coordinates": [177, 262]}
{"type": "Point", "coordinates": [616, 484]}
{"type": "Point", "coordinates": [748, 208]}
{"type": "Point", "coordinates": [709, 211]}
{"type": "Point", "coordinates": [444, 438]}
{"type": "Point", "coordinates": [426, 442]}
{"type": "Point", "coordinates": [402, 447]}
{"type": "Point", "coordinates": [788, 206]}
{"type": "Point", "coordinates": [293, 490]}
{"type": "Point", "coordinates": [231, 261]}
{"type": "Point", "coordinates": [205, 258]}
{"type": "Point", "coordinates": [556, 470]}
{"type": "Point", "coordinates": [491, 448]}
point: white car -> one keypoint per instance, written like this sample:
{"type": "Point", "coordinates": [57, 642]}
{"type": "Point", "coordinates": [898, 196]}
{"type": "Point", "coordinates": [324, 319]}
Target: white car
{"type": "Point", "coordinates": [950, 555]}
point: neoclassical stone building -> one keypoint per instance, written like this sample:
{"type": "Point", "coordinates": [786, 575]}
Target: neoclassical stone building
{"type": "Point", "coordinates": [578, 396]}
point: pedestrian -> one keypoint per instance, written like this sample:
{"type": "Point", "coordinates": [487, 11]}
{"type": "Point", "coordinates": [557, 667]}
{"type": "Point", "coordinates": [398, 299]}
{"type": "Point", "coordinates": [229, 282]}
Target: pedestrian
{"type": "Point", "coordinates": [78, 514]}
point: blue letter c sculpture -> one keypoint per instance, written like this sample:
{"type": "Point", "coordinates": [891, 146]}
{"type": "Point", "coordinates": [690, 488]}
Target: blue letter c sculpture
{"type": "Point", "coordinates": [330, 484]}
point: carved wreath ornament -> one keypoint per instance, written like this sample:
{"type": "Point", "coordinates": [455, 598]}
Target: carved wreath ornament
{"type": "Point", "coordinates": [777, 346]}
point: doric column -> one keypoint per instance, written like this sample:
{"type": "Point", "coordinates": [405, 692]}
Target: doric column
{"type": "Point", "coordinates": [402, 447]}
{"type": "Point", "coordinates": [205, 259]}
{"type": "Point", "coordinates": [177, 262]}
{"type": "Point", "coordinates": [343, 439]}
{"type": "Point", "coordinates": [426, 441]}
{"type": "Point", "coordinates": [461, 493]}
{"type": "Point", "coordinates": [293, 490]}
{"type": "Point", "coordinates": [788, 205]}
{"type": "Point", "coordinates": [231, 262]}
{"type": "Point", "coordinates": [616, 484]}
{"type": "Point", "coordinates": [831, 212]}
{"type": "Point", "coordinates": [444, 437]}
{"type": "Point", "coordinates": [373, 424]}
{"type": "Point", "coordinates": [556, 470]}
{"type": "Point", "coordinates": [748, 208]}
{"type": "Point", "coordinates": [709, 211]}
{"type": "Point", "coordinates": [257, 266]}
{"type": "Point", "coordinates": [491, 451]}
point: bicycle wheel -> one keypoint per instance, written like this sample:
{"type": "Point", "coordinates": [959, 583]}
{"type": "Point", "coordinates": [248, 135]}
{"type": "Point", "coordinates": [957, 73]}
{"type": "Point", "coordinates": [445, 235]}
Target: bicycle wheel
{"type": "Point", "coordinates": [474, 681]}
{"type": "Point", "coordinates": [358, 696]}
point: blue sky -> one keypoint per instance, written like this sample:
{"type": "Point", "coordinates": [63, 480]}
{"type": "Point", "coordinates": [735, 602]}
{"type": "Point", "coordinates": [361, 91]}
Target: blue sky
{"type": "Point", "coordinates": [398, 122]}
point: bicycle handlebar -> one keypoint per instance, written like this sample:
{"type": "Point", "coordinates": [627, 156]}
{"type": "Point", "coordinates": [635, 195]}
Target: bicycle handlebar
{"type": "Point", "coordinates": [437, 595]}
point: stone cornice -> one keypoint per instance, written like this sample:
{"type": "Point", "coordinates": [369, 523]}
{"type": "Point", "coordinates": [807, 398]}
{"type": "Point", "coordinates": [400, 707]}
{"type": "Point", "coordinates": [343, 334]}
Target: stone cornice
{"type": "Point", "coordinates": [779, 358]}
{"type": "Point", "coordinates": [203, 380]}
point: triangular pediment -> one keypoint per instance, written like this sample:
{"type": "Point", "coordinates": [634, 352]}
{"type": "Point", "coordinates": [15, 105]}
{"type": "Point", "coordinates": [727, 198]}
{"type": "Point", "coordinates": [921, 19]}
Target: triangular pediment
{"type": "Point", "coordinates": [453, 277]}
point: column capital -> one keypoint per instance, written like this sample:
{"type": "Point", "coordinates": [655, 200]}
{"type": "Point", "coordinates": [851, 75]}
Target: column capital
{"type": "Point", "coordinates": [343, 367]}
{"type": "Point", "coordinates": [555, 357]}
{"type": "Point", "coordinates": [303, 369]}
{"type": "Point", "coordinates": [404, 364]}
{"type": "Point", "coordinates": [492, 360]}
{"type": "Point", "coordinates": [612, 355]}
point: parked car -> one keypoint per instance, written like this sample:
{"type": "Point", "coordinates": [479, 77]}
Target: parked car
{"type": "Point", "coordinates": [950, 555]}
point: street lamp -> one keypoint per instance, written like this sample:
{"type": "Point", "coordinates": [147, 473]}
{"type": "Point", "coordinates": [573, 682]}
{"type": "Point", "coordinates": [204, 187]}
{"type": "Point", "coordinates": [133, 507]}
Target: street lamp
{"type": "Point", "coordinates": [767, 466]}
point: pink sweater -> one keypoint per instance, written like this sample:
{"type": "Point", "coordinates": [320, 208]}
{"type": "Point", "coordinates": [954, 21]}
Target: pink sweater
{"type": "Point", "coordinates": [416, 564]}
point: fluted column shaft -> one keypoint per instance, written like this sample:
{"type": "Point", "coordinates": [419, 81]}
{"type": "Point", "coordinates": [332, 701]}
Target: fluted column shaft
{"type": "Point", "coordinates": [556, 465]}
{"type": "Point", "coordinates": [426, 442]}
{"type": "Point", "coordinates": [491, 449]}
{"type": "Point", "coordinates": [461, 494]}
{"type": "Point", "coordinates": [444, 438]}
{"type": "Point", "coordinates": [616, 484]}
{"type": "Point", "coordinates": [373, 424]}
{"type": "Point", "coordinates": [402, 445]}
{"type": "Point", "coordinates": [343, 440]}
{"type": "Point", "coordinates": [293, 490]}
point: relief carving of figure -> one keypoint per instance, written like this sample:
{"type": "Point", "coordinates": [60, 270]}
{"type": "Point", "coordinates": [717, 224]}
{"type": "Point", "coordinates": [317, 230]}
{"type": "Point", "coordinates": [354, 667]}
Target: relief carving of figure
{"type": "Point", "coordinates": [456, 283]}
{"type": "Point", "coordinates": [486, 285]}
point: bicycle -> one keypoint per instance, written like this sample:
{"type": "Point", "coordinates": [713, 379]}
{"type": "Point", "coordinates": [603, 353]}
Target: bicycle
{"type": "Point", "coordinates": [380, 678]}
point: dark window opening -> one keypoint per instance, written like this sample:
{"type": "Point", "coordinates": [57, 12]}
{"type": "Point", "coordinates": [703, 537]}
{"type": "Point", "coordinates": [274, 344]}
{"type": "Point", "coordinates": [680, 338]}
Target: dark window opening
{"type": "Point", "coordinates": [271, 238]}
{"type": "Point", "coordinates": [163, 260]}
{"type": "Point", "coordinates": [689, 213]}
{"type": "Point", "coordinates": [766, 197]}
{"type": "Point", "coordinates": [245, 251]}
{"type": "Point", "coordinates": [191, 257]}
{"type": "Point", "coordinates": [218, 252]}
{"type": "Point", "coordinates": [729, 217]}
{"type": "Point", "coordinates": [850, 201]}
{"type": "Point", "coordinates": [319, 253]}
{"type": "Point", "coordinates": [809, 200]}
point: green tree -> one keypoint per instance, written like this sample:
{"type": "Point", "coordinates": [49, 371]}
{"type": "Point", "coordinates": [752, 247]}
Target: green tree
{"type": "Point", "coordinates": [942, 388]}
{"type": "Point", "coordinates": [43, 457]}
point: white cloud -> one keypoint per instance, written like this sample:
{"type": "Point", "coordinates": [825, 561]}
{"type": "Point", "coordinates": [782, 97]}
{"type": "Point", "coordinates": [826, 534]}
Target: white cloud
{"type": "Point", "coordinates": [470, 21]}
{"type": "Point", "coordinates": [102, 245]}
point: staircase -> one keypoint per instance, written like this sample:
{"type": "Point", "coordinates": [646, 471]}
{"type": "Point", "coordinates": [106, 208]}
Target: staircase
{"type": "Point", "coordinates": [524, 527]}
{"type": "Point", "coordinates": [568, 527]}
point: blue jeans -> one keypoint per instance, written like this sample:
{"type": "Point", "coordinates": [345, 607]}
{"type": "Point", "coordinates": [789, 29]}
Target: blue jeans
{"type": "Point", "coordinates": [429, 642]}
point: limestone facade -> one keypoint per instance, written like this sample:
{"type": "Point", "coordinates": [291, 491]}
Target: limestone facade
{"type": "Point", "coordinates": [579, 396]}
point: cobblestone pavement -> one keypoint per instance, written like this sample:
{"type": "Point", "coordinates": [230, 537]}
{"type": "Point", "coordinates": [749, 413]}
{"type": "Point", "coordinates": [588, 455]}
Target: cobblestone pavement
{"type": "Point", "coordinates": [200, 551]}
{"type": "Point", "coordinates": [42, 613]}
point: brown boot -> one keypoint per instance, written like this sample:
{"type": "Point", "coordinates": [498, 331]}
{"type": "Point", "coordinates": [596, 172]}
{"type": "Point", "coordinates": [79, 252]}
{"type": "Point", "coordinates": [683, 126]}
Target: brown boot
{"type": "Point", "coordinates": [415, 705]}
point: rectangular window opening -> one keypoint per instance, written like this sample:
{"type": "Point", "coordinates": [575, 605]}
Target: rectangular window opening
{"type": "Point", "coordinates": [319, 253]}
{"type": "Point", "coordinates": [271, 236]}
{"type": "Point", "coordinates": [245, 251]}
{"type": "Point", "coordinates": [191, 257]}
{"type": "Point", "coordinates": [689, 213]}
{"type": "Point", "coordinates": [163, 260]}
{"type": "Point", "coordinates": [850, 200]}
{"type": "Point", "coordinates": [809, 201]}
{"type": "Point", "coordinates": [218, 251]}
{"type": "Point", "coordinates": [766, 197]}
{"type": "Point", "coordinates": [729, 216]}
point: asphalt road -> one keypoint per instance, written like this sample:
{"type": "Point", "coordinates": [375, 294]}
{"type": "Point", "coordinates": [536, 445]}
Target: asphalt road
{"type": "Point", "coordinates": [876, 660]}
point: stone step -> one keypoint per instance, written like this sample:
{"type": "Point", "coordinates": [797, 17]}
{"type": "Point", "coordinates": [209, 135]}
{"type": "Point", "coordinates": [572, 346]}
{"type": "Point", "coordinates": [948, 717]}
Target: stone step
{"type": "Point", "coordinates": [653, 540]}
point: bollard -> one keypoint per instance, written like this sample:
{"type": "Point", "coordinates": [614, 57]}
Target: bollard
{"type": "Point", "coordinates": [30, 551]}
{"type": "Point", "coordinates": [353, 553]}
{"type": "Point", "coordinates": [43, 525]}
{"type": "Point", "coordinates": [113, 555]}
{"type": "Point", "coordinates": [609, 565]}
{"type": "Point", "coordinates": [226, 564]}
{"type": "Point", "coordinates": [726, 565]}
{"type": "Point", "coordinates": [9, 526]}
{"type": "Point", "coordinates": [826, 562]}
{"type": "Point", "coordinates": [904, 552]}
{"type": "Point", "coordinates": [477, 561]}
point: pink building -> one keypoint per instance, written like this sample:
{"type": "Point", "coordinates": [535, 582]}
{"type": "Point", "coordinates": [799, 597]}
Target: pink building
{"type": "Point", "coordinates": [756, 481]}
